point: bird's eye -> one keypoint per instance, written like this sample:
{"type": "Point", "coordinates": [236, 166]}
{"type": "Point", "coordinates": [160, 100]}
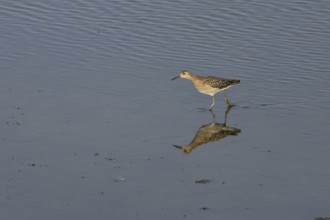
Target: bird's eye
{"type": "Point", "coordinates": [183, 73]}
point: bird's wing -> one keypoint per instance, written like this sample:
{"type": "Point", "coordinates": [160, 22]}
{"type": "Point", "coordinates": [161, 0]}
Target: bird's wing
{"type": "Point", "coordinates": [217, 82]}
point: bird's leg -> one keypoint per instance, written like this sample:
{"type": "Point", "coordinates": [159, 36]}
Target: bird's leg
{"type": "Point", "coordinates": [227, 111]}
{"type": "Point", "coordinates": [226, 100]}
{"type": "Point", "coordinates": [213, 116]}
{"type": "Point", "coordinates": [213, 101]}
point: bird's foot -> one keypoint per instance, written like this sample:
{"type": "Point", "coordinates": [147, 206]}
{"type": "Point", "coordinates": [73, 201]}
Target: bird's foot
{"type": "Point", "coordinates": [228, 103]}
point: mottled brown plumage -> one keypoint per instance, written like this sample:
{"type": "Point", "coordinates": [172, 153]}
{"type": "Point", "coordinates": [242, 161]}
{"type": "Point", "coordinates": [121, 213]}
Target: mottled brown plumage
{"type": "Point", "coordinates": [209, 85]}
{"type": "Point", "coordinates": [217, 82]}
{"type": "Point", "coordinates": [210, 133]}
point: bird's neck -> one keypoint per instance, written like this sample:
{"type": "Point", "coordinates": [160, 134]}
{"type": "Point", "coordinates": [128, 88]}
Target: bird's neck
{"type": "Point", "coordinates": [193, 77]}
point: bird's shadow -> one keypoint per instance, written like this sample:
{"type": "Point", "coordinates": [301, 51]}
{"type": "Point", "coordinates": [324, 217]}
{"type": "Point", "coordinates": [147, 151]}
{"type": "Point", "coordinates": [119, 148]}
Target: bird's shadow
{"type": "Point", "coordinates": [210, 132]}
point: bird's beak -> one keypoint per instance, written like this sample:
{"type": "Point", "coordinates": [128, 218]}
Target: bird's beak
{"type": "Point", "coordinates": [175, 77]}
{"type": "Point", "coordinates": [177, 146]}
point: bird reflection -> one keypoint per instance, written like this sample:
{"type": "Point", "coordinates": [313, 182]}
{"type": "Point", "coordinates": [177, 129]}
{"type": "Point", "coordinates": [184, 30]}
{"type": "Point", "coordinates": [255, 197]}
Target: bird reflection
{"type": "Point", "coordinates": [209, 133]}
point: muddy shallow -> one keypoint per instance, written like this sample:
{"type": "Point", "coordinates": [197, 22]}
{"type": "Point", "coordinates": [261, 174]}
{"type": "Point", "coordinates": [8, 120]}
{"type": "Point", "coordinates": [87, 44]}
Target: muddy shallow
{"type": "Point", "coordinates": [89, 115]}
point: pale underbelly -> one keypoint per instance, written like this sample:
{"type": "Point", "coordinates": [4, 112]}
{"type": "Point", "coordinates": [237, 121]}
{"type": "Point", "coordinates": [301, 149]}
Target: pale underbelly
{"type": "Point", "coordinates": [211, 91]}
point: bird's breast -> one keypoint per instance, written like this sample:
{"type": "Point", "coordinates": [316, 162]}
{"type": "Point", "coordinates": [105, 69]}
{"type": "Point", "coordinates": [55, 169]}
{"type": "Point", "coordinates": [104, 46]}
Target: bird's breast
{"type": "Point", "coordinates": [205, 88]}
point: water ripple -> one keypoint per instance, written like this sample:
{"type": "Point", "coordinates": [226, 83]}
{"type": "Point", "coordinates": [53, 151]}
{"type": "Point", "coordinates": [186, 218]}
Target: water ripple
{"type": "Point", "coordinates": [275, 48]}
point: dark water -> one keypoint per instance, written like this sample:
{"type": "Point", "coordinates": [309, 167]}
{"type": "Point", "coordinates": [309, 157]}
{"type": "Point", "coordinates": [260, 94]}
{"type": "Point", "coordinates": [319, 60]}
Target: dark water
{"type": "Point", "coordinates": [89, 114]}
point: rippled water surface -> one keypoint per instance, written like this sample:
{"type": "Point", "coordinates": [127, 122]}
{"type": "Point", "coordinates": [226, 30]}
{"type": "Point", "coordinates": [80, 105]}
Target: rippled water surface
{"type": "Point", "coordinates": [89, 115]}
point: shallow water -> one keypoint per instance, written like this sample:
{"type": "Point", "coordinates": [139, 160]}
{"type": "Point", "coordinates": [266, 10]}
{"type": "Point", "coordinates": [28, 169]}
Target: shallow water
{"type": "Point", "coordinates": [89, 114]}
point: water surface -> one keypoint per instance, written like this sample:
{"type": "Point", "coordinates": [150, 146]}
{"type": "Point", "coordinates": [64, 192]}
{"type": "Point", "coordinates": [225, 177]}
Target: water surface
{"type": "Point", "coordinates": [89, 114]}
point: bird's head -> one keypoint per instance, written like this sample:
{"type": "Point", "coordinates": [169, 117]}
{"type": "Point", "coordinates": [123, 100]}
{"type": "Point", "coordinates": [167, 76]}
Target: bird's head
{"type": "Point", "coordinates": [184, 149]}
{"type": "Point", "coordinates": [184, 74]}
